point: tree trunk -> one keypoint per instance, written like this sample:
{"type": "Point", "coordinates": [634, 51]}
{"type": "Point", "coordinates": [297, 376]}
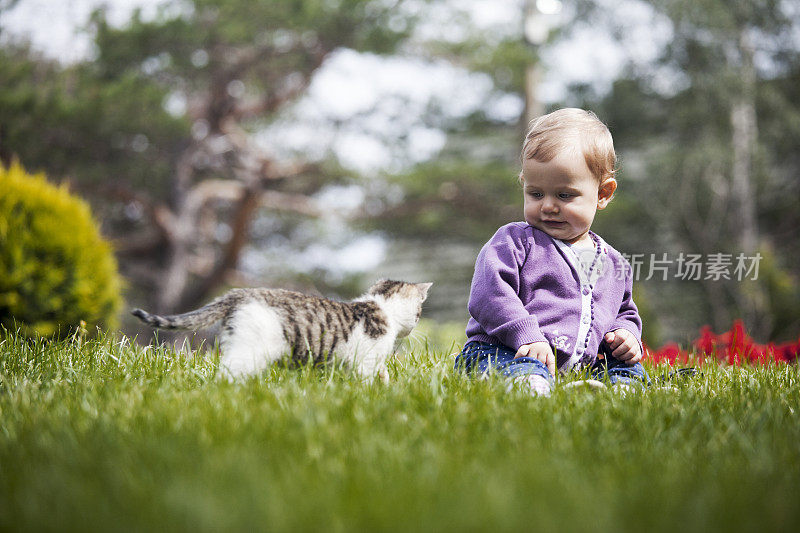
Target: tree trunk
{"type": "Point", "coordinates": [744, 132]}
{"type": "Point", "coordinates": [752, 298]}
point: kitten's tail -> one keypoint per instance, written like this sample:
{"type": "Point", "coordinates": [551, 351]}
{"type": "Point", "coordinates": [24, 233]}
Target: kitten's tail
{"type": "Point", "coordinates": [199, 318]}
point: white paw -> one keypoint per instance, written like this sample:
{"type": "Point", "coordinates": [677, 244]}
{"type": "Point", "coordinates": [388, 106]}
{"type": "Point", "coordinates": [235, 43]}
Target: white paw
{"type": "Point", "coordinates": [531, 383]}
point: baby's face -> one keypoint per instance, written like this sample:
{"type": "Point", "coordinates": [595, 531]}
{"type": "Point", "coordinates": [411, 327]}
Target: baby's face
{"type": "Point", "coordinates": [562, 196]}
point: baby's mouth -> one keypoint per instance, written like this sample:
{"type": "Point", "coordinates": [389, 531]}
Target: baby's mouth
{"type": "Point", "coordinates": [553, 223]}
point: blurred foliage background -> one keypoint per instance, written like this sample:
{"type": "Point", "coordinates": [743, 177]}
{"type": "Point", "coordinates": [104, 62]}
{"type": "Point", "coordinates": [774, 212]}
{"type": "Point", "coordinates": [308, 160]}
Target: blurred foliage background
{"type": "Point", "coordinates": [174, 128]}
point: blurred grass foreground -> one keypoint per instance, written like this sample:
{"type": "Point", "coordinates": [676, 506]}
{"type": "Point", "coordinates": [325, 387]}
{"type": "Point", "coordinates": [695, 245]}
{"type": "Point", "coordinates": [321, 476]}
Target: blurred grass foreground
{"type": "Point", "coordinates": [106, 435]}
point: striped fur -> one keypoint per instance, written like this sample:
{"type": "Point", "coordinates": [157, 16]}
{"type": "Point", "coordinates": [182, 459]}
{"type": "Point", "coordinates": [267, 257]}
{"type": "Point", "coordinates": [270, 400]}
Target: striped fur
{"type": "Point", "coordinates": [261, 326]}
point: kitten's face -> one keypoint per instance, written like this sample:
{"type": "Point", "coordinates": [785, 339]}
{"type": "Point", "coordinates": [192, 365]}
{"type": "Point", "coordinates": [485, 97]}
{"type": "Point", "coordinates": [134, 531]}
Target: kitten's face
{"type": "Point", "coordinates": [404, 301]}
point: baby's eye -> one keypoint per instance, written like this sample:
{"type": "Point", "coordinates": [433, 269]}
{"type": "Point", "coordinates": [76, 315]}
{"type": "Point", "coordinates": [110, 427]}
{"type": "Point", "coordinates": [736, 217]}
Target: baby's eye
{"type": "Point", "coordinates": [565, 195]}
{"type": "Point", "coordinates": [534, 194]}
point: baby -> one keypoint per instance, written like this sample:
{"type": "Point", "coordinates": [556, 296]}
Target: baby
{"type": "Point", "coordinates": [548, 293]}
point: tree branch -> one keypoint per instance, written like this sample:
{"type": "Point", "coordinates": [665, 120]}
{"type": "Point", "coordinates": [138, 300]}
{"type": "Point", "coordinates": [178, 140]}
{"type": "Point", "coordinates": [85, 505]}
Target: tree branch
{"type": "Point", "coordinates": [240, 233]}
{"type": "Point", "coordinates": [294, 203]}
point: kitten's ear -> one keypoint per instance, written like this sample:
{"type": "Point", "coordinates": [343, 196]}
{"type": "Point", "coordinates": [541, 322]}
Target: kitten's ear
{"type": "Point", "coordinates": [423, 288]}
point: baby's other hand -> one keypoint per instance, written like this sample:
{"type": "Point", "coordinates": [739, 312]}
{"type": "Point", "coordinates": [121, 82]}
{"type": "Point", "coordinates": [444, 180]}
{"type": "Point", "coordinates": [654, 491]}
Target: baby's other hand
{"type": "Point", "coordinates": [624, 346]}
{"type": "Point", "coordinates": [540, 351]}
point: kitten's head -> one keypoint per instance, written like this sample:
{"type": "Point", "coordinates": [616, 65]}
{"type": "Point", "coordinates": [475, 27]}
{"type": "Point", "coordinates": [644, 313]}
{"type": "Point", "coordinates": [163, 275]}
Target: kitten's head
{"type": "Point", "coordinates": [403, 301]}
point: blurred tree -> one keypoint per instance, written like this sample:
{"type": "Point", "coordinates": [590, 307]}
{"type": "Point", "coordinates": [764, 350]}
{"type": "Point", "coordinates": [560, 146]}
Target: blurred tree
{"type": "Point", "coordinates": [105, 134]}
{"type": "Point", "coordinates": [158, 127]}
{"type": "Point", "coordinates": [5, 5]}
{"type": "Point", "coordinates": [471, 188]}
{"type": "Point", "coordinates": [460, 196]}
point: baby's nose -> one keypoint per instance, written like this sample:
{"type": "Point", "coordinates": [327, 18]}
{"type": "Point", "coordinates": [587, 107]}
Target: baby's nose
{"type": "Point", "coordinates": [550, 205]}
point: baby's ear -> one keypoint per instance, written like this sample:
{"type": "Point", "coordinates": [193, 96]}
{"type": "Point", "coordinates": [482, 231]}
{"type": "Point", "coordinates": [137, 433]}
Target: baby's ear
{"type": "Point", "coordinates": [606, 192]}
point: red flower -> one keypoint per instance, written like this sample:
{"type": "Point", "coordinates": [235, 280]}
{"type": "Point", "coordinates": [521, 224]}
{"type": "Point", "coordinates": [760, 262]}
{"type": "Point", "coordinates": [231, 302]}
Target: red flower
{"type": "Point", "coordinates": [705, 346]}
{"type": "Point", "coordinates": [787, 352]}
{"type": "Point", "coordinates": [670, 353]}
{"type": "Point", "coordinates": [733, 347]}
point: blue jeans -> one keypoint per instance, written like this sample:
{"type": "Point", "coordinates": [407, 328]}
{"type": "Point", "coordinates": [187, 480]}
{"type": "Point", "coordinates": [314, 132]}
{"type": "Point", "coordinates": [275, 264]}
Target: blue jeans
{"type": "Point", "coordinates": [615, 371]}
{"type": "Point", "coordinates": [481, 357]}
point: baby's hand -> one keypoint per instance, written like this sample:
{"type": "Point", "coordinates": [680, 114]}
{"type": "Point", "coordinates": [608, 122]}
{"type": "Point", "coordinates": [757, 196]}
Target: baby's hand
{"type": "Point", "coordinates": [540, 351]}
{"type": "Point", "coordinates": [624, 346]}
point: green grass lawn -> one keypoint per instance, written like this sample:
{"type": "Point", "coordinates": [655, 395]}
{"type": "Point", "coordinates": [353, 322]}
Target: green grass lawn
{"type": "Point", "coordinates": [101, 435]}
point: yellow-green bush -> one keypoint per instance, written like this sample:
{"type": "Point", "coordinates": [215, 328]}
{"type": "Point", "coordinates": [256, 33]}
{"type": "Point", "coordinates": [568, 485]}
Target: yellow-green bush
{"type": "Point", "coordinates": [55, 268]}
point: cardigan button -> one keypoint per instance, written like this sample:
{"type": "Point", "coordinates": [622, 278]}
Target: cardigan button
{"type": "Point", "coordinates": [586, 320]}
{"type": "Point", "coordinates": [586, 291]}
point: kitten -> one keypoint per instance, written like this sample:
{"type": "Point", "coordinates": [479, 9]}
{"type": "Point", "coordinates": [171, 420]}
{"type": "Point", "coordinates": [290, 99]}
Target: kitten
{"type": "Point", "coordinates": [262, 326]}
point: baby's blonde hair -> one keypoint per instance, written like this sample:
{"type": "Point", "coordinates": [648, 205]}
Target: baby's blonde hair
{"type": "Point", "coordinates": [572, 128]}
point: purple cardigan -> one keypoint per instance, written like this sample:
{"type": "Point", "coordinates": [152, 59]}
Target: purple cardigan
{"type": "Point", "coordinates": [529, 287]}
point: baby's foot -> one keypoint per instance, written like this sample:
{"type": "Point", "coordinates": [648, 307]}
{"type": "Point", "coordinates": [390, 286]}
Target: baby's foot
{"type": "Point", "coordinates": [622, 389]}
{"type": "Point", "coordinates": [586, 384]}
{"type": "Point", "coordinates": [532, 383]}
